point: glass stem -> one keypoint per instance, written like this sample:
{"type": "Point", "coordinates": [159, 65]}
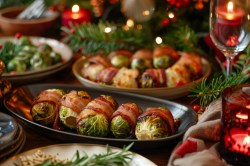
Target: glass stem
{"type": "Point", "coordinates": [229, 66]}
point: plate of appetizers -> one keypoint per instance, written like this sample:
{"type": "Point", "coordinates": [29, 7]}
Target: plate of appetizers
{"type": "Point", "coordinates": [28, 58]}
{"type": "Point", "coordinates": [87, 115]}
{"type": "Point", "coordinates": [65, 154]}
{"type": "Point", "coordinates": [170, 81]}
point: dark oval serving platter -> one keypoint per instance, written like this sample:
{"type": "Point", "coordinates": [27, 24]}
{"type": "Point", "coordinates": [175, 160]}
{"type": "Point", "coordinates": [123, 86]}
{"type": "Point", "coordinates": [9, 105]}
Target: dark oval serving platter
{"type": "Point", "coordinates": [18, 103]}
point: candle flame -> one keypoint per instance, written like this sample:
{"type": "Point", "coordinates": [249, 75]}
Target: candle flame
{"type": "Point", "coordinates": [242, 116]}
{"type": "Point", "coordinates": [75, 8]}
{"type": "Point", "coordinates": [230, 7]}
{"type": "Point", "coordinates": [246, 140]}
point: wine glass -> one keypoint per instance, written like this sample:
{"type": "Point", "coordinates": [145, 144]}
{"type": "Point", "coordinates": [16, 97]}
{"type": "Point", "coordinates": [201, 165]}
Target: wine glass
{"type": "Point", "coordinates": [229, 22]}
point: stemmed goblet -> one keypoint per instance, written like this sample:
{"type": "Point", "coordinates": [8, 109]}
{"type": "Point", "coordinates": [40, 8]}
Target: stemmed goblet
{"type": "Point", "coordinates": [229, 22]}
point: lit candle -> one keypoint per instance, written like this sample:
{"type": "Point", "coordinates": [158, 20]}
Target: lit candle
{"type": "Point", "coordinates": [229, 12]}
{"type": "Point", "coordinates": [75, 16]}
{"type": "Point", "coordinates": [230, 17]}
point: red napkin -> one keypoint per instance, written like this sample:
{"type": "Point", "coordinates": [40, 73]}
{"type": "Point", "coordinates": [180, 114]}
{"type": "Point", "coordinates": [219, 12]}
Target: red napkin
{"type": "Point", "coordinates": [200, 142]}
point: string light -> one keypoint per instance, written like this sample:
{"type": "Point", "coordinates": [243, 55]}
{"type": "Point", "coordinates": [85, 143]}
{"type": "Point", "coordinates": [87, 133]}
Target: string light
{"type": "Point", "coordinates": [107, 30]}
{"type": "Point", "coordinates": [158, 40]}
{"type": "Point", "coordinates": [171, 15]}
{"type": "Point", "coordinates": [130, 23]}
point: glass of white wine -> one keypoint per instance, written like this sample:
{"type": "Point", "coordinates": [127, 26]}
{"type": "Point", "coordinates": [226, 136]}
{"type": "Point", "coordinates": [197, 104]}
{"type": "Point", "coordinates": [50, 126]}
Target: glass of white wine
{"type": "Point", "coordinates": [229, 22]}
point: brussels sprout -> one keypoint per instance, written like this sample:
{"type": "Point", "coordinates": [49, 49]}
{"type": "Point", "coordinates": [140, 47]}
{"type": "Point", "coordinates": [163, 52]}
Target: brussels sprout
{"type": "Point", "coordinates": [40, 60]}
{"type": "Point", "coordinates": [24, 40]}
{"type": "Point", "coordinates": [96, 125]}
{"type": "Point", "coordinates": [146, 81]}
{"type": "Point", "coordinates": [120, 61]}
{"type": "Point", "coordinates": [68, 117]}
{"type": "Point", "coordinates": [45, 48]}
{"type": "Point", "coordinates": [56, 57]}
{"type": "Point", "coordinates": [43, 113]}
{"type": "Point", "coordinates": [162, 61]}
{"type": "Point", "coordinates": [141, 64]}
{"type": "Point", "coordinates": [17, 65]}
{"type": "Point", "coordinates": [120, 127]}
{"type": "Point", "coordinates": [151, 127]}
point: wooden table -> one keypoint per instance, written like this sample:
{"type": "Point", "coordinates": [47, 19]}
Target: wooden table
{"type": "Point", "coordinates": [35, 139]}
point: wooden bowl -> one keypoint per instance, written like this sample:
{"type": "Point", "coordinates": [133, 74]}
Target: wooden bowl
{"type": "Point", "coordinates": [10, 25]}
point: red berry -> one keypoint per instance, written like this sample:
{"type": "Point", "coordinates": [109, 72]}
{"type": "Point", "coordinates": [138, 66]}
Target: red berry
{"type": "Point", "coordinates": [165, 22]}
{"type": "Point", "coordinates": [18, 35]}
{"type": "Point", "coordinates": [196, 108]}
{"type": "Point", "coordinates": [72, 31]}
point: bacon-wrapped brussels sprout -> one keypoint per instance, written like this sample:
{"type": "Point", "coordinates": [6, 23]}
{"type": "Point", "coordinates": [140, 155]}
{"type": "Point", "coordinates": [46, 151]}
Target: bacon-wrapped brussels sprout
{"type": "Point", "coordinates": [45, 106]}
{"type": "Point", "coordinates": [141, 60]}
{"type": "Point", "coordinates": [154, 123]}
{"type": "Point", "coordinates": [120, 58]}
{"type": "Point", "coordinates": [40, 60]}
{"type": "Point", "coordinates": [164, 56]}
{"type": "Point", "coordinates": [72, 104]}
{"type": "Point", "coordinates": [106, 75]}
{"type": "Point", "coordinates": [124, 120]}
{"type": "Point", "coordinates": [90, 72]}
{"type": "Point", "coordinates": [153, 78]}
{"type": "Point", "coordinates": [95, 118]}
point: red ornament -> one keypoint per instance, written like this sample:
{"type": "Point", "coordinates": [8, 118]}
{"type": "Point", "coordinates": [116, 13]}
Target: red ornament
{"type": "Point", "coordinates": [165, 22]}
{"type": "Point", "coordinates": [179, 3]}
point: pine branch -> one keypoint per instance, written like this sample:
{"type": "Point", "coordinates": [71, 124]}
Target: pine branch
{"type": "Point", "coordinates": [183, 38]}
{"type": "Point", "coordinates": [91, 38]}
{"type": "Point", "coordinates": [208, 91]}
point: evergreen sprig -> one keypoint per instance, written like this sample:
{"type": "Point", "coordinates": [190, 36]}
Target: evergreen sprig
{"type": "Point", "coordinates": [91, 38]}
{"type": "Point", "coordinates": [183, 38]}
{"type": "Point", "coordinates": [210, 90]}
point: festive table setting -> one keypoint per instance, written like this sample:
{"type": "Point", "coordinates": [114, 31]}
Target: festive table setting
{"type": "Point", "coordinates": [125, 82]}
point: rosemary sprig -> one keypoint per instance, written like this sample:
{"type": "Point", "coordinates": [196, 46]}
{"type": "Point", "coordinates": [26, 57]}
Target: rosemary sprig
{"type": "Point", "coordinates": [110, 158]}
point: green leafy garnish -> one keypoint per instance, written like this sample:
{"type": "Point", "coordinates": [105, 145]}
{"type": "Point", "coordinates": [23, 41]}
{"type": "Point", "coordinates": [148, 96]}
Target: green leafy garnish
{"type": "Point", "coordinates": [109, 158]}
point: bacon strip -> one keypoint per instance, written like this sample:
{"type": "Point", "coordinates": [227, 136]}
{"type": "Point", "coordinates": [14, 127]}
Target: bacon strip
{"type": "Point", "coordinates": [101, 105]}
{"type": "Point", "coordinates": [163, 113]}
{"type": "Point", "coordinates": [74, 101]}
{"type": "Point", "coordinates": [106, 75]}
{"type": "Point", "coordinates": [158, 75]}
{"type": "Point", "coordinates": [130, 112]}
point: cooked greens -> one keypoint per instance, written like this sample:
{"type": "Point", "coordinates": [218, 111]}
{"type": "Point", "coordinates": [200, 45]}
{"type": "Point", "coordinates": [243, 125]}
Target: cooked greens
{"type": "Point", "coordinates": [21, 55]}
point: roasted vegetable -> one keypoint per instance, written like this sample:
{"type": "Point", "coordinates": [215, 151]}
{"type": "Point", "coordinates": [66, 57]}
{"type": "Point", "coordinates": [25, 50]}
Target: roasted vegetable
{"type": "Point", "coordinates": [120, 58]}
{"type": "Point", "coordinates": [126, 78]}
{"type": "Point", "coordinates": [45, 106]}
{"type": "Point", "coordinates": [164, 56]}
{"type": "Point", "coordinates": [40, 61]}
{"type": "Point", "coordinates": [141, 60]}
{"type": "Point", "coordinates": [23, 41]}
{"type": "Point", "coordinates": [153, 78]}
{"type": "Point", "coordinates": [155, 123]}
{"type": "Point", "coordinates": [95, 117]}
{"type": "Point", "coordinates": [17, 65]}
{"type": "Point", "coordinates": [90, 72]}
{"type": "Point", "coordinates": [55, 57]}
{"type": "Point", "coordinates": [45, 48]}
{"type": "Point", "coordinates": [72, 104]}
{"type": "Point", "coordinates": [124, 120]}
